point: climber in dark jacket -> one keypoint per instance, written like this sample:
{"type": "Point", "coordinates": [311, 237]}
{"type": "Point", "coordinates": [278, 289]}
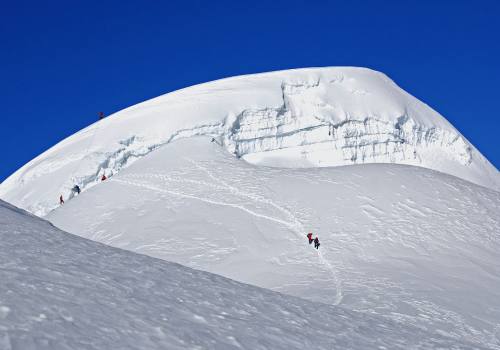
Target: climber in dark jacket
{"type": "Point", "coordinates": [316, 243]}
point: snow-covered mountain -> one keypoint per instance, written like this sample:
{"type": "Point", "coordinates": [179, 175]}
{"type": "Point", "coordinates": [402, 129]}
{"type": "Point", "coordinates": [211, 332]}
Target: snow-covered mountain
{"type": "Point", "coordinates": [298, 118]}
{"type": "Point", "coordinates": [228, 177]}
{"type": "Point", "coordinates": [59, 291]}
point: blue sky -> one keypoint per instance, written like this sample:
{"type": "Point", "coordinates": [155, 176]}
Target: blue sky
{"type": "Point", "coordinates": [64, 61]}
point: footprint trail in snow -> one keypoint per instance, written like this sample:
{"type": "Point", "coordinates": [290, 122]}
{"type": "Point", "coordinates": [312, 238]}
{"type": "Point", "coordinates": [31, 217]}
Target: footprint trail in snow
{"type": "Point", "coordinates": [290, 221]}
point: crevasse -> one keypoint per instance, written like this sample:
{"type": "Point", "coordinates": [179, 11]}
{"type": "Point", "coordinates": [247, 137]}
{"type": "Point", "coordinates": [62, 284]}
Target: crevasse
{"type": "Point", "coordinates": [350, 141]}
{"type": "Point", "coordinates": [312, 117]}
{"type": "Point", "coordinates": [311, 137]}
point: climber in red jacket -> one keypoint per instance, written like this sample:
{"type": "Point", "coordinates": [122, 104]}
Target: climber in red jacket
{"type": "Point", "coordinates": [310, 237]}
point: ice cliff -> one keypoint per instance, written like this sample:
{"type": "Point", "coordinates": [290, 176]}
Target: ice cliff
{"type": "Point", "coordinates": [312, 117]}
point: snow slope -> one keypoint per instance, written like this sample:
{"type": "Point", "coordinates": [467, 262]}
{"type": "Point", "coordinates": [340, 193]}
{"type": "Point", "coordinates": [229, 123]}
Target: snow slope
{"type": "Point", "coordinates": [60, 291]}
{"type": "Point", "coordinates": [407, 244]}
{"type": "Point", "coordinates": [298, 118]}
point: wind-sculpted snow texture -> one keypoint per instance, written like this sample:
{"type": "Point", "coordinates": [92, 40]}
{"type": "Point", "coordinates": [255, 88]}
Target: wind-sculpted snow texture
{"type": "Point", "coordinates": [59, 291]}
{"type": "Point", "coordinates": [408, 244]}
{"type": "Point", "coordinates": [298, 118]}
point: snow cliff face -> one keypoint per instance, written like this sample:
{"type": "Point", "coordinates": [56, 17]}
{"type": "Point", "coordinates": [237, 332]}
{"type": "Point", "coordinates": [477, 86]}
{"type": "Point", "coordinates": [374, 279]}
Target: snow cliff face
{"type": "Point", "coordinates": [298, 118]}
{"type": "Point", "coordinates": [59, 291]}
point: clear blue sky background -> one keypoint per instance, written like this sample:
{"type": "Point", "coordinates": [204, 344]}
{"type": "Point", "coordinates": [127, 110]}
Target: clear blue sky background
{"type": "Point", "coordinates": [62, 62]}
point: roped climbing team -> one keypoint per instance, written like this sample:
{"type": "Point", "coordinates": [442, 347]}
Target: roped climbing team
{"type": "Point", "coordinates": [315, 240]}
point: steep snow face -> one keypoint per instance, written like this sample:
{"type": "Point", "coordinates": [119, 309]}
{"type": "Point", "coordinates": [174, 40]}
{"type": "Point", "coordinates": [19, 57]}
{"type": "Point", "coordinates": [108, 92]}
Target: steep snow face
{"type": "Point", "coordinates": [59, 291]}
{"type": "Point", "coordinates": [409, 244]}
{"type": "Point", "coordinates": [298, 118]}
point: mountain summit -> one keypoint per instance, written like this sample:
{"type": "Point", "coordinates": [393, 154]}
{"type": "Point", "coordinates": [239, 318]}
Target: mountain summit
{"type": "Point", "coordinates": [315, 117]}
{"type": "Point", "coordinates": [230, 176]}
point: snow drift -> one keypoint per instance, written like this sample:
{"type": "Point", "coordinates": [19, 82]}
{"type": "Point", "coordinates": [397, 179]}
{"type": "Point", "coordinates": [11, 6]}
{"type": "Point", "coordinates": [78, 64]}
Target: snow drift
{"type": "Point", "coordinates": [298, 118]}
{"type": "Point", "coordinates": [59, 291]}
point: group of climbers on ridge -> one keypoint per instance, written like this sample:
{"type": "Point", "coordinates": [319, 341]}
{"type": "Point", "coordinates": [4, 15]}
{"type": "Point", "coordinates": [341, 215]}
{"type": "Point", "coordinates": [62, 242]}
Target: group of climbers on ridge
{"type": "Point", "coordinates": [76, 189]}
{"type": "Point", "coordinates": [315, 240]}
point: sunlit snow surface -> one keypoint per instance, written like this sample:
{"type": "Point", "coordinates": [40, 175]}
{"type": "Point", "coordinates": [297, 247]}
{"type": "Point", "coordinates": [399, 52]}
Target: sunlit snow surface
{"type": "Point", "coordinates": [406, 251]}
{"type": "Point", "coordinates": [410, 244]}
{"type": "Point", "coordinates": [315, 117]}
{"type": "Point", "coordinates": [59, 291]}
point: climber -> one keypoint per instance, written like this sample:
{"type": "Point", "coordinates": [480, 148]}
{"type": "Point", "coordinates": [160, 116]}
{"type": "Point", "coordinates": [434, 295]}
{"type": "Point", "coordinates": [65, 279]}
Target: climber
{"type": "Point", "coordinates": [76, 189]}
{"type": "Point", "coordinates": [310, 237]}
{"type": "Point", "coordinates": [214, 140]}
{"type": "Point", "coordinates": [103, 177]}
{"type": "Point", "coordinates": [101, 115]}
{"type": "Point", "coordinates": [316, 243]}
{"type": "Point", "coordinates": [61, 200]}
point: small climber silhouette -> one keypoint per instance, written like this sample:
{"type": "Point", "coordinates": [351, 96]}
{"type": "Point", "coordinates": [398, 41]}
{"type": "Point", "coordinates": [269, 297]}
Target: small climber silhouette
{"type": "Point", "coordinates": [61, 200]}
{"type": "Point", "coordinates": [316, 243]}
{"type": "Point", "coordinates": [103, 177]}
{"type": "Point", "coordinates": [76, 189]}
{"type": "Point", "coordinates": [214, 140]}
{"type": "Point", "coordinates": [101, 115]}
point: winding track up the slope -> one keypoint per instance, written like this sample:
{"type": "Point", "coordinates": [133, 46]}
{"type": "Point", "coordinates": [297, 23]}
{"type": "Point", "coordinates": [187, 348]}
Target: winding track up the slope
{"type": "Point", "coordinates": [293, 224]}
